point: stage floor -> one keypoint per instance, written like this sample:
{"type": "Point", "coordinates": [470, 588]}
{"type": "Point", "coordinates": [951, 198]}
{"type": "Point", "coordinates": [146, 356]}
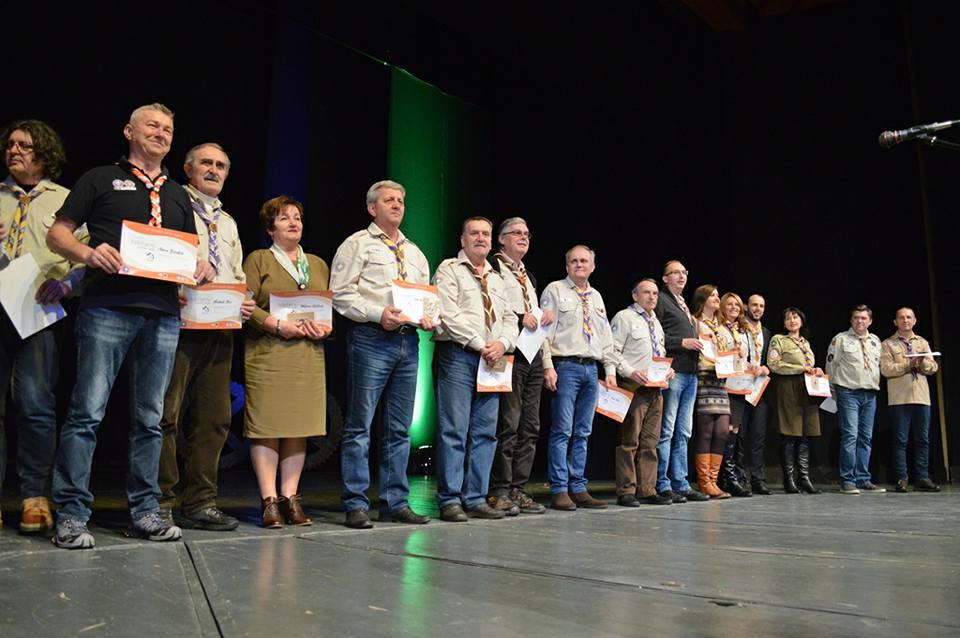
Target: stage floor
{"type": "Point", "coordinates": [805, 566]}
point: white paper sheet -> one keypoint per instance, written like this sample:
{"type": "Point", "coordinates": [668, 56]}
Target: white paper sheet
{"type": "Point", "coordinates": [613, 402]}
{"type": "Point", "coordinates": [922, 354]}
{"type": "Point", "coordinates": [529, 341]}
{"type": "Point", "coordinates": [829, 405]}
{"type": "Point", "coordinates": [760, 383]}
{"type": "Point", "coordinates": [19, 283]}
{"type": "Point", "coordinates": [709, 351]}
{"type": "Point", "coordinates": [415, 300]}
{"type": "Point", "coordinates": [498, 378]}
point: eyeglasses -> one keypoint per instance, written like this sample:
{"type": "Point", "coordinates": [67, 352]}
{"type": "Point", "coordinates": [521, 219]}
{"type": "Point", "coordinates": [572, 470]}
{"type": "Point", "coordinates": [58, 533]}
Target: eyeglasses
{"type": "Point", "coordinates": [24, 147]}
{"type": "Point", "coordinates": [520, 233]}
{"type": "Point", "coordinates": [685, 273]}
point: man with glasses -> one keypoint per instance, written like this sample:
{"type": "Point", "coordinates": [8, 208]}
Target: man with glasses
{"type": "Point", "coordinates": [680, 397]}
{"type": "Point", "coordinates": [29, 199]}
{"type": "Point", "coordinates": [519, 424]}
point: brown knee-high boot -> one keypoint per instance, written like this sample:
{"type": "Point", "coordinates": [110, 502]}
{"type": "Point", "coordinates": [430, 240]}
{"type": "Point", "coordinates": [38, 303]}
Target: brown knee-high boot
{"type": "Point", "coordinates": [704, 477]}
{"type": "Point", "coordinates": [716, 460]}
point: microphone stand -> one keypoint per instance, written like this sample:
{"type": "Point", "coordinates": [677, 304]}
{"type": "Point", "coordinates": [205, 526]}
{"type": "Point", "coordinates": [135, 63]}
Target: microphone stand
{"type": "Point", "coordinates": [933, 140]}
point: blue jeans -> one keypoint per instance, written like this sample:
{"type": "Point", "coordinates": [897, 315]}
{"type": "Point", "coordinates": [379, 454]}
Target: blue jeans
{"type": "Point", "coordinates": [916, 417]}
{"type": "Point", "coordinates": [379, 364]}
{"type": "Point", "coordinates": [105, 338]}
{"type": "Point", "coordinates": [467, 438]}
{"type": "Point", "coordinates": [571, 415]}
{"type": "Point", "coordinates": [679, 400]}
{"type": "Point", "coordinates": [855, 412]}
{"type": "Point", "coordinates": [33, 365]}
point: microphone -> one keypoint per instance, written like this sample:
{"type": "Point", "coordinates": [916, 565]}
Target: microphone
{"type": "Point", "coordinates": [890, 138]}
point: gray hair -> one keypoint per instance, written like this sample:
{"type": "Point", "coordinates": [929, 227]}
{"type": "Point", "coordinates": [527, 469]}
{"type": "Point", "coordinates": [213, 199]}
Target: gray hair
{"type": "Point", "coordinates": [156, 106]}
{"type": "Point", "coordinates": [593, 255]}
{"type": "Point", "coordinates": [386, 183]}
{"type": "Point", "coordinates": [636, 286]}
{"type": "Point", "coordinates": [510, 221]}
{"type": "Point", "coordinates": [192, 153]}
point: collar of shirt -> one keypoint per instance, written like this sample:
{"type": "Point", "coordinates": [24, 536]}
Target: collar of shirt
{"type": "Point", "coordinates": [11, 184]}
{"type": "Point", "coordinates": [570, 283]}
{"type": "Point", "coordinates": [376, 231]}
{"type": "Point", "coordinates": [650, 316]}
{"type": "Point", "coordinates": [126, 165]}
{"type": "Point", "coordinates": [463, 259]}
{"type": "Point", "coordinates": [853, 335]}
{"type": "Point", "coordinates": [505, 257]}
{"type": "Point", "coordinates": [210, 203]}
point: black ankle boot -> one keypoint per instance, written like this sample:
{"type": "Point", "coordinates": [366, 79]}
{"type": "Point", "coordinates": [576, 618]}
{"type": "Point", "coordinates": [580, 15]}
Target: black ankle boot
{"type": "Point", "coordinates": [803, 467]}
{"type": "Point", "coordinates": [788, 449]}
{"type": "Point", "coordinates": [729, 477]}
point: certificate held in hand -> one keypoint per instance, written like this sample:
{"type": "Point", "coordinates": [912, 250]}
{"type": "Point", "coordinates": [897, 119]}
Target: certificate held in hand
{"type": "Point", "coordinates": [817, 386]}
{"type": "Point", "coordinates": [495, 378]}
{"type": "Point", "coordinates": [726, 364]}
{"type": "Point", "coordinates": [613, 402]}
{"type": "Point", "coordinates": [312, 305]}
{"type": "Point", "coordinates": [213, 307]}
{"type": "Point", "coordinates": [657, 372]}
{"type": "Point", "coordinates": [416, 301]}
{"type": "Point", "coordinates": [709, 351]}
{"type": "Point", "coordinates": [158, 253]}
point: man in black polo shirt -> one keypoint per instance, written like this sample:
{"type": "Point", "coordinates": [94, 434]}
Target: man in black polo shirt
{"type": "Point", "coordinates": [121, 318]}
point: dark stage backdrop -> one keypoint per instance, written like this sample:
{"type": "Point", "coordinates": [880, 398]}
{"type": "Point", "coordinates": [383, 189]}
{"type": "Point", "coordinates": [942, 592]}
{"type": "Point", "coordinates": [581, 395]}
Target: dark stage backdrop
{"type": "Point", "coordinates": [751, 156]}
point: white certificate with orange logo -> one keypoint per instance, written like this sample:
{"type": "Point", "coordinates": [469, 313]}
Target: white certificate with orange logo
{"type": "Point", "coordinates": [416, 301]}
{"type": "Point", "coordinates": [613, 402]}
{"type": "Point", "coordinates": [158, 253]}
{"type": "Point", "coordinates": [213, 307]}
{"type": "Point", "coordinates": [726, 364]}
{"type": "Point", "coordinates": [658, 371]}
{"type": "Point", "coordinates": [314, 305]}
{"type": "Point", "coordinates": [709, 351]}
{"type": "Point", "coordinates": [495, 378]}
{"type": "Point", "coordinates": [817, 386]}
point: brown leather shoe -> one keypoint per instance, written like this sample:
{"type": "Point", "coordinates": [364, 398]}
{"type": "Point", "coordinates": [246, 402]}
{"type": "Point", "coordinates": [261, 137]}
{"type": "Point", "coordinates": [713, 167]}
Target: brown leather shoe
{"type": "Point", "coordinates": [562, 502]}
{"type": "Point", "coordinates": [292, 512]}
{"type": "Point", "coordinates": [36, 516]}
{"type": "Point", "coordinates": [271, 513]}
{"type": "Point", "coordinates": [526, 504]}
{"type": "Point", "coordinates": [502, 503]}
{"type": "Point", "coordinates": [583, 499]}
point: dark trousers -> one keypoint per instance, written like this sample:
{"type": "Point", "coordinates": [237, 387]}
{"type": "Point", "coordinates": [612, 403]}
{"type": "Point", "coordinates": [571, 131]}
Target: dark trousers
{"type": "Point", "coordinates": [635, 458]}
{"type": "Point", "coordinates": [200, 388]}
{"type": "Point", "coordinates": [752, 440]}
{"type": "Point", "coordinates": [518, 426]}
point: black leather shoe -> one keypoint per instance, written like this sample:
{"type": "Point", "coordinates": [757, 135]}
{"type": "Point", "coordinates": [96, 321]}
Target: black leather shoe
{"type": "Point", "coordinates": [657, 499]}
{"type": "Point", "coordinates": [760, 487]}
{"type": "Point", "coordinates": [674, 496]}
{"type": "Point", "coordinates": [209, 518]}
{"type": "Point", "coordinates": [358, 519]}
{"type": "Point", "coordinates": [926, 485]}
{"type": "Point", "coordinates": [408, 516]}
{"type": "Point", "coordinates": [694, 496]}
{"type": "Point", "coordinates": [628, 500]}
{"type": "Point", "coordinates": [453, 514]}
{"type": "Point", "coordinates": [484, 511]}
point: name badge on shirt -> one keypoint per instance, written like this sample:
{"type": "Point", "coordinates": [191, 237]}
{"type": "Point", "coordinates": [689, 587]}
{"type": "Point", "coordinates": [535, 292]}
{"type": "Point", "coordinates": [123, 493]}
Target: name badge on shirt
{"type": "Point", "coordinates": [124, 185]}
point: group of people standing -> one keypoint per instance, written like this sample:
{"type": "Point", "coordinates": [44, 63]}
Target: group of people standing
{"type": "Point", "coordinates": [486, 441]}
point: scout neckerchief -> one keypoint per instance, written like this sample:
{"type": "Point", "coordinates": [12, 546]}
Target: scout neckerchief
{"type": "Point", "coordinates": [300, 272]}
{"type": "Point", "coordinates": [756, 335]}
{"type": "Point", "coordinates": [909, 346]}
{"type": "Point", "coordinates": [719, 338]}
{"type": "Point", "coordinates": [585, 305]}
{"type": "Point", "coordinates": [863, 348]}
{"type": "Point", "coordinates": [520, 274]}
{"type": "Point", "coordinates": [804, 346]}
{"type": "Point", "coordinates": [397, 249]}
{"type": "Point", "coordinates": [18, 228]}
{"type": "Point", "coordinates": [156, 216]}
{"type": "Point", "coordinates": [489, 316]}
{"type": "Point", "coordinates": [211, 220]}
{"type": "Point", "coordinates": [683, 306]}
{"type": "Point", "coordinates": [654, 342]}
